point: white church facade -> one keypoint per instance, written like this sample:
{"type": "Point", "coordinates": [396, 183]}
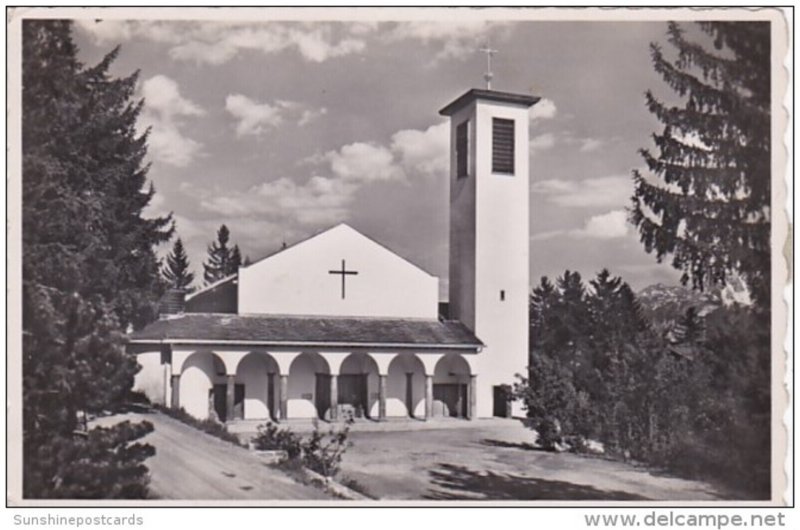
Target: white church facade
{"type": "Point", "coordinates": [338, 324]}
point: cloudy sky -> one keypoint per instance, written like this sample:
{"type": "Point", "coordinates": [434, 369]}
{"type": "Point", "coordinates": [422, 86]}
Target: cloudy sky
{"type": "Point", "coordinates": [281, 129]}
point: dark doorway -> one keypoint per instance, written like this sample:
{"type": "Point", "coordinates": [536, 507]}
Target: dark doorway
{"type": "Point", "coordinates": [323, 394]}
{"type": "Point", "coordinates": [353, 392]}
{"type": "Point", "coordinates": [220, 407]}
{"type": "Point", "coordinates": [454, 396]}
{"type": "Point", "coordinates": [502, 401]}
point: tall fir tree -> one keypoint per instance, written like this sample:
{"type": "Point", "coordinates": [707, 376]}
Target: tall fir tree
{"type": "Point", "coordinates": [89, 267]}
{"type": "Point", "coordinates": [223, 260]}
{"type": "Point", "coordinates": [176, 271]}
{"type": "Point", "coordinates": [235, 261]}
{"type": "Point", "coordinates": [706, 200]}
{"type": "Point", "coordinates": [216, 266]}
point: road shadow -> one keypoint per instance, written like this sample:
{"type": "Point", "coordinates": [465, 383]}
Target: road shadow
{"type": "Point", "coordinates": [454, 482]}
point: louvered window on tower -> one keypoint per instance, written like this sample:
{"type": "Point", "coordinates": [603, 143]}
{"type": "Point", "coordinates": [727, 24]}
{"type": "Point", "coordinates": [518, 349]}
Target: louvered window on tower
{"type": "Point", "coordinates": [502, 146]}
{"type": "Point", "coordinates": [462, 149]}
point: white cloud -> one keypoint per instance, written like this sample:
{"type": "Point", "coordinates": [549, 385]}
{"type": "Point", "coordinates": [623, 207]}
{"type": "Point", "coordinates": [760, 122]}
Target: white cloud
{"type": "Point", "coordinates": [542, 142]}
{"type": "Point", "coordinates": [364, 162]}
{"type": "Point", "coordinates": [162, 95]}
{"type": "Point", "coordinates": [203, 52]}
{"type": "Point", "coordinates": [219, 42]}
{"type": "Point", "coordinates": [326, 199]}
{"type": "Point", "coordinates": [590, 144]}
{"type": "Point", "coordinates": [456, 39]}
{"type": "Point", "coordinates": [164, 110]}
{"type": "Point", "coordinates": [545, 109]}
{"type": "Point", "coordinates": [254, 118]}
{"type": "Point", "coordinates": [167, 144]}
{"type": "Point", "coordinates": [310, 115]}
{"type": "Point", "coordinates": [425, 151]}
{"type": "Point", "coordinates": [609, 225]}
{"type": "Point", "coordinates": [319, 200]}
{"type": "Point", "coordinates": [154, 208]}
{"type": "Point", "coordinates": [592, 192]}
{"type": "Point", "coordinates": [316, 45]}
{"type": "Point", "coordinates": [105, 31]}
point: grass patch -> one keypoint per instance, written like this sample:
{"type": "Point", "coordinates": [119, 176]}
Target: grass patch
{"type": "Point", "coordinates": [356, 486]}
{"type": "Point", "coordinates": [208, 426]}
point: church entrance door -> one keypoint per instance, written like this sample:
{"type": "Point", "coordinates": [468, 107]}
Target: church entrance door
{"type": "Point", "coordinates": [454, 396]}
{"type": "Point", "coordinates": [353, 393]}
{"type": "Point", "coordinates": [322, 396]}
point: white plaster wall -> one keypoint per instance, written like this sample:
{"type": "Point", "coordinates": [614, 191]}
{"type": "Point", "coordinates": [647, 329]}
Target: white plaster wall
{"type": "Point", "coordinates": [197, 378]}
{"type": "Point", "coordinates": [396, 386]}
{"type": "Point", "coordinates": [301, 408]}
{"type": "Point", "coordinates": [489, 242]}
{"type": "Point", "coordinates": [502, 256]}
{"type": "Point", "coordinates": [296, 281]}
{"type": "Point", "coordinates": [150, 379]}
{"type": "Point", "coordinates": [373, 393]}
{"type": "Point", "coordinates": [252, 372]}
{"type": "Point", "coordinates": [462, 225]}
{"type": "Point", "coordinates": [302, 388]}
{"type": "Point", "coordinates": [395, 408]}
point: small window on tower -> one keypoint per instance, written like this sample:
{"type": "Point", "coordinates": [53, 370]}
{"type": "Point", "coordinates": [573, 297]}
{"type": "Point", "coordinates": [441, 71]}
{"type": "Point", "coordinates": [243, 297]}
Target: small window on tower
{"type": "Point", "coordinates": [462, 150]}
{"type": "Point", "coordinates": [503, 295]}
{"type": "Point", "coordinates": [502, 146]}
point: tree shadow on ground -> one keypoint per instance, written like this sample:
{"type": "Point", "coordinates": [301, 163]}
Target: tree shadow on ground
{"type": "Point", "coordinates": [513, 445]}
{"type": "Point", "coordinates": [460, 483]}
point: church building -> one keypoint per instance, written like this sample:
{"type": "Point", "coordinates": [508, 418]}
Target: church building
{"type": "Point", "coordinates": [339, 324]}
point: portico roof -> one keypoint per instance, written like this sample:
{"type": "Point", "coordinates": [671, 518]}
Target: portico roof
{"type": "Point", "coordinates": [302, 331]}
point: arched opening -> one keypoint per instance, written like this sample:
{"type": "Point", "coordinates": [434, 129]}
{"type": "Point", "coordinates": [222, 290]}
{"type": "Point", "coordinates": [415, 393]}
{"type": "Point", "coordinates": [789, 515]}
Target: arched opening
{"type": "Point", "coordinates": [309, 393]}
{"type": "Point", "coordinates": [451, 379]}
{"type": "Point", "coordinates": [202, 374]}
{"type": "Point", "coordinates": [357, 386]}
{"type": "Point", "coordinates": [405, 387]}
{"type": "Point", "coordinates": [258, 372]}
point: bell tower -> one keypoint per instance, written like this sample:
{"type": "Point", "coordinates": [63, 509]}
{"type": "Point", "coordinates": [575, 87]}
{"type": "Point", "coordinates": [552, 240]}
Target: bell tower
{"type": "Point", "coordinates": [489, 234]}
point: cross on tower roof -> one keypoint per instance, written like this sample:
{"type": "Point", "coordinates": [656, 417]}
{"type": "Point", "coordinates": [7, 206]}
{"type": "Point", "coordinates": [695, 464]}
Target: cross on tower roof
{"type": "Point", "coordinates": [488, 75]}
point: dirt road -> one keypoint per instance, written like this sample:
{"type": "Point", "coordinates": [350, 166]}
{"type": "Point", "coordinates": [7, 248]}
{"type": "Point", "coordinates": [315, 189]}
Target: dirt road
{"type": "Point", "coordinates": [496, 462]}
{"type": "Point", "coordinates": [191, 465]}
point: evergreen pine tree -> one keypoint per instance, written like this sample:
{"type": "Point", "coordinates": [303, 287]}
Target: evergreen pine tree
{"type": "Point", "coordinates": [219, 256]}
{"type": "Point", "coordinates": [542, 326]}
{"type": "Point", "coordinates": [176, 272]}
{"type": "Point", "coordinates": [89, 266]}
{"type": "Point", "coordinates": [235, 261]}
{"type": "Point", "coordinates": [706, 201]}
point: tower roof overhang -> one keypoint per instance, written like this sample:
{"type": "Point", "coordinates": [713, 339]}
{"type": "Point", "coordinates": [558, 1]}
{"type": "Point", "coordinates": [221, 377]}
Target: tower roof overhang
{"type": "Point", "coordinates": [468, 97]}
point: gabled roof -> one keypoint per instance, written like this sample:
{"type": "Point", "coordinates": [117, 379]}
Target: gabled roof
{"type": "Point", "coordinates": [302, 331]}
{"type": "Point", "coordinates": [330, 229]}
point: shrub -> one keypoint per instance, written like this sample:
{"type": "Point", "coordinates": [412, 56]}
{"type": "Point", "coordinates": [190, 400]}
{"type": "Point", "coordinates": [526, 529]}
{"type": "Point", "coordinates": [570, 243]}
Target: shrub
{"type": "Point", "coordinates": [323, 452]}
{"type": "Point", "coordinates": [320, 452]}
{"type": "Point", "coordinates": [272, 438]}
{"type": "Point", "coordinates": [356, 486]}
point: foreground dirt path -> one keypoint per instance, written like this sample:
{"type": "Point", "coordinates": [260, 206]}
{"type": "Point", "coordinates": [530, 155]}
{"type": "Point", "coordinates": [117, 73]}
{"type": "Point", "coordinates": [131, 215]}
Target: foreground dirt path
{"type": "Point", "coordinates": [495, 462]}
{"type": "Point", "coordinates": [190, 465]}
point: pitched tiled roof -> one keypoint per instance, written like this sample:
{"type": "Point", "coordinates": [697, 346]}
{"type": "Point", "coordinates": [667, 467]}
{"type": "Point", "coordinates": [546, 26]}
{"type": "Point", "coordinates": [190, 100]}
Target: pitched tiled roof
{"type": "Point", "coordinates": [194, 328]}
